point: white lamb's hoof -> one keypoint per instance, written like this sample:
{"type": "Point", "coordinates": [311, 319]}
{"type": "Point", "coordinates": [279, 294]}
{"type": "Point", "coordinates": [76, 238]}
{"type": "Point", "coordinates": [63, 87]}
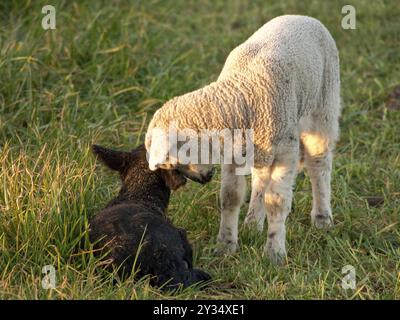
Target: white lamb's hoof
{"type": "Point", "coordinates": [226, 248]}
{"type": "Point", "coordinates": [322, 220]}
{"type": "Point", "coordinates": [275, 252]}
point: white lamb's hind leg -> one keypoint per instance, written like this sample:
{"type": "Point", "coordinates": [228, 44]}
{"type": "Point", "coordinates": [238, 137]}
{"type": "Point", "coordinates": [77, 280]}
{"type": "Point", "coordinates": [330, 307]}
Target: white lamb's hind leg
{"type": "Point", "coordinates": [256, 212]}
{"type": "Point", "coordinates": [318, 161]}
{"type": "Point", "coordinates": [278, 202]}
{"type": "Point", "coordinates": [233, 188]}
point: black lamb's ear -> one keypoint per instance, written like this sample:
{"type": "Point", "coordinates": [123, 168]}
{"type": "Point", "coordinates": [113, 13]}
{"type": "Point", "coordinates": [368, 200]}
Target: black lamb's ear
{"type": "Point", "coordinates": [115, 160]}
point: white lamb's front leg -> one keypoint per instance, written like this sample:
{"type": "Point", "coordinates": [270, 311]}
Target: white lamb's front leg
{"type": "Point", "coordinates": [278, 202]}
{"type": "Point", "coordinates": [256, 212]}
{"type": "Point", "coordinates": [233, 188]}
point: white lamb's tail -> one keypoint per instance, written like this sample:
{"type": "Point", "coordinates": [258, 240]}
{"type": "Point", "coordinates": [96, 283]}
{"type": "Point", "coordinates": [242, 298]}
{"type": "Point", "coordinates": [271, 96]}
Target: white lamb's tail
{"type": "Point", "coordinates": [331, 100]}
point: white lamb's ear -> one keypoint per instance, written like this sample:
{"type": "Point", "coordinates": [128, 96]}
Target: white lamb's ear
{"type": "Point", "coordinates": [158, 153]}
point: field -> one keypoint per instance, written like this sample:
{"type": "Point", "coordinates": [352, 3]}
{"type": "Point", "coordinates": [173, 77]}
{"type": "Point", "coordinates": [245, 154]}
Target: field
{"type": "Point", "coordinates": [99, 77]}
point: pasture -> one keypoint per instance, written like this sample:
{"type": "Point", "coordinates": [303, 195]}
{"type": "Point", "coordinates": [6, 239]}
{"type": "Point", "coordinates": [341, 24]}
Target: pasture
{"type": "Point", "coordinates": [99, 77]}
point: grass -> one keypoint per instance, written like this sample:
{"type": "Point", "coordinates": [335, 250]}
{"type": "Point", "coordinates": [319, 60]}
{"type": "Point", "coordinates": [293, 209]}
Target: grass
{"type": "Point", "coordinates": [99, 77]}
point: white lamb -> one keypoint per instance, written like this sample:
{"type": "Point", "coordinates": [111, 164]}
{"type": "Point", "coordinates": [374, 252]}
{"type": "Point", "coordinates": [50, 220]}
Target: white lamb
{"type": "Point", "coordinates": [283, 82]}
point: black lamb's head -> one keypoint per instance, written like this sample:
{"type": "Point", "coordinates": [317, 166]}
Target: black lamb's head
{"type": "Point", "coordinates": [134, 169]}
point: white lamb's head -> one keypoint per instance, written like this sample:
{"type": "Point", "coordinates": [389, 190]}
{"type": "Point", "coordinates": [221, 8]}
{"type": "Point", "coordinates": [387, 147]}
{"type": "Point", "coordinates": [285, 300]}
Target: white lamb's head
{"type": "Point", "coordinates": [167, 150]}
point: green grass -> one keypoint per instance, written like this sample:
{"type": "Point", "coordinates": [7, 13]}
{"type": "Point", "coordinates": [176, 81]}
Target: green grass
{"type": "Point", "coordinates": [99, 77]}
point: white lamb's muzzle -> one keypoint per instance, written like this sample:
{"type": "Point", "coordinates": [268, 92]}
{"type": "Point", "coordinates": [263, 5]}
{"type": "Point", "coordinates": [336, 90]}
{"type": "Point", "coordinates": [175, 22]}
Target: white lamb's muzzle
{"type": "Point", "coordinates": [157, 158]}
{"type": "Point", "coordinates": [198, 173]}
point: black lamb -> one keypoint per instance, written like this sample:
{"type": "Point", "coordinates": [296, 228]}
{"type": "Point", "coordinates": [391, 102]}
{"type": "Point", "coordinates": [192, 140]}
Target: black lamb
{"type": "Point", "coordinates": [133, 227]}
